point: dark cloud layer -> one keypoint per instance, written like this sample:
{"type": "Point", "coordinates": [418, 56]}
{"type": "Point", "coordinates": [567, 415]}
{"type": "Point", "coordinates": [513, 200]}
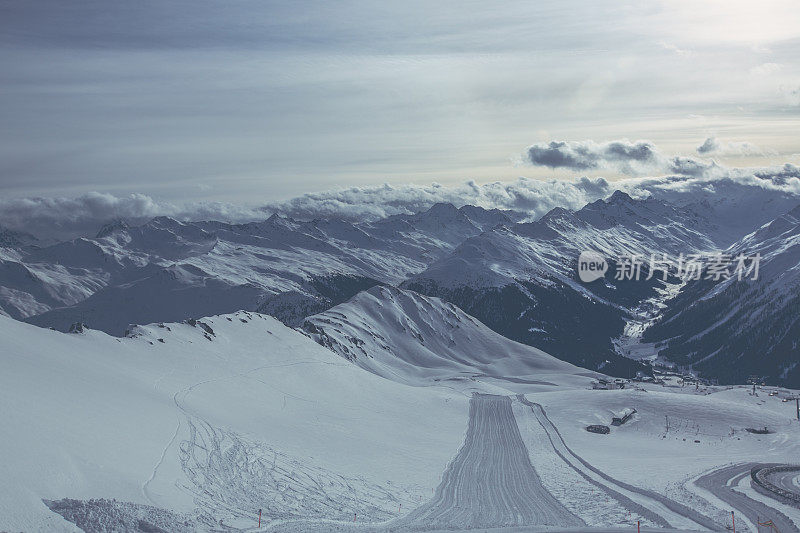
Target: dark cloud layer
{"type": "Point", "coordinates": [588, 155]}
{"type": "Point", "coordinates": [714, 146]}
{"type": "Point", "coordinates": [632, 158]}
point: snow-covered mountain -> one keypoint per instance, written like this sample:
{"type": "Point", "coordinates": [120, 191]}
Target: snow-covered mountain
{"type": "Point", "coordinates": [734, 207]}
{"type": "Point", "coordinates": [168, 270]}
{"type": "Point", "coordinates": [223, 421]}
{"type": "Point", "coordinates": [521, 280]}
{"type": "Point", "coordinates": [517, 278]}
{"type": "Point", "coordinates": [179, 426]}
{"type": "Point", "coordinates": [731, 329]}
{"type": "Point", "coordinates": [15, 239]}
{"type": "Point", "coordinates": [404, 336]}
{"type": "Point", "coordinates": [196, 425]}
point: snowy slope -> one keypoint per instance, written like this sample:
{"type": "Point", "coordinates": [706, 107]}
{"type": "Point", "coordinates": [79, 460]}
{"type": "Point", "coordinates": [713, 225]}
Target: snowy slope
{"type": "Point", "coordinates": [210, 422]}
{"type": "Point", "coordinates": [411, 338]}
{"type": "Point", "coordinates": [734, 207]}
{"type": "Point", "coordinates": [676, 435]}
{"type": "Point", "coordinates": [732, 329]}
{"type": "Point", "coordinates": [549, 247]}
{"type": "Point", "coordinates": [290, 268]}
{"type": "Point", "coordinates": [521, 280]}
{"type": "Point", "coordinates": [67, 273]}
{"type": "Point", "coordinates": [195, 426]}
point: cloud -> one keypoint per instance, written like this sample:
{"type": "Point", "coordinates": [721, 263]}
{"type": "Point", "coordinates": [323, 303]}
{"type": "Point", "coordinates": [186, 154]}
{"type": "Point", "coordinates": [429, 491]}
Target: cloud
{"type": "Point", "coordinates": [57, 218]}
{"type": "Point", "coordinates": [673, 48]}
{"type": "Point", "coordinates": [685, 181]}
{"type": "Point", "coordinates": [531, 197]}
{"type": "Point", "coordinates": [588, 155]}
{"type": "Point", "coordinates": [712, 145]}
{"type": "Point", "coordinates": [622, 156]}
{"type": "Point", "coordinates": [765, 69]}
{"type": "Point", "coordinates": [62, 218]}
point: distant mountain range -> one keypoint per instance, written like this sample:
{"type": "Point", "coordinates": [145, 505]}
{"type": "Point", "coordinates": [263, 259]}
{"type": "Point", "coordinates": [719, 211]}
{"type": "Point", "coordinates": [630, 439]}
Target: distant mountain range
{"type": "Point", "coordinates": [736, 329]}
{"type": "Point", "coordinates": [516, 277]}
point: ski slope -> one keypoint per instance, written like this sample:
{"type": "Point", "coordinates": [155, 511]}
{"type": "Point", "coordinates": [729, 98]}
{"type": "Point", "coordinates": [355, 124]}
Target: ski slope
{"type": "Point", "coordinates": [491, 482]}
{"type": "Point", "coordinates": [212, 426]}
{"type": "Point", "coordinates": [195, 426]}
{"type": "Point", "coordinates": [407, 337]}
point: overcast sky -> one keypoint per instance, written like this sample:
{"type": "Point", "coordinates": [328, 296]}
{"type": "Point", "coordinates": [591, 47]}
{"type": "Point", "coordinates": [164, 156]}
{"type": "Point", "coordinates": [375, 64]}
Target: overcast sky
{"type": "Point", "coordinates": [254, 101]}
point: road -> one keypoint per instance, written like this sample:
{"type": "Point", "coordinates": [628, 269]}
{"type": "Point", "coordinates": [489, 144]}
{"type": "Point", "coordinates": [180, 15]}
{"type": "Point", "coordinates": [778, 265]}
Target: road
{"type": "Point", "coordinates": [788, 480]}
{"type": "Point", "coordinates": [722, 483]}
{"type": "Point", "coordinates": [490, 482]}
{"type": "Point", "coordinates": [655, 507]}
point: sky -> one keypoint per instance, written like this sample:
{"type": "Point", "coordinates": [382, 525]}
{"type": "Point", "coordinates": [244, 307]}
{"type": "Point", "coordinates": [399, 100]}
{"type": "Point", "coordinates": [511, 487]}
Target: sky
{"type": "Point", "coordinates": [251, 102]}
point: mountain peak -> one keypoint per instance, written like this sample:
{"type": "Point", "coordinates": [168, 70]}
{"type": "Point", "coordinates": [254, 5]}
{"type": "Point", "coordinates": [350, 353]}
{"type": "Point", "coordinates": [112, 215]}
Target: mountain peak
{"type": "Point", "coordinates": [15, 238]}
{"type": "Point", "coordinates": [164, 220]}
{"type": "Point", "coordinates": [440, 209]}
{"type": "Point", "coordinates": [485, 218]}
{"type": "Point", "coordinates": [111, 228]}
{"type": "Point", "coordinates": [619, 197]}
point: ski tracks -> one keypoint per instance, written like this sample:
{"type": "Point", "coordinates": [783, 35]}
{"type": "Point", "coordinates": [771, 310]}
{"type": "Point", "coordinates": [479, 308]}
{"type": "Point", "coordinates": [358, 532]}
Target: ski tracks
{"type": "Point", "coordinates": [491, 481]}
{"type": "Point", "coordinates": [651, 505]}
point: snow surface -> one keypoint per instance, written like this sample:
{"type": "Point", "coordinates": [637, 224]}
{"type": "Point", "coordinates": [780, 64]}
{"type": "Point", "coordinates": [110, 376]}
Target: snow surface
{"type": "Point", "coordinates": [211, 420]}
{"type": "Point", "coordinates": [415, 339]}
{"type": "Point", "coordinates": [189, 424]}
{"type": "Point", "coordinates": [255, 415]}
{"type": "Point", "coordinates": [166, 270]}
{"type": "Point", "coordinates": [751, 321]}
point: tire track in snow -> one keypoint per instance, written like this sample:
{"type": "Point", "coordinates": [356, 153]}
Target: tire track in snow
{"type": "Point", "coordinates": [652, 505]}
{"type": "Point", "coordinates": [722, 483]}
{"type": "Point", "coordinates": [491, 481]}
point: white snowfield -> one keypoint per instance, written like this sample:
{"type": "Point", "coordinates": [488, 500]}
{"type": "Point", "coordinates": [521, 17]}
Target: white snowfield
{"type": "Point", "coordinates": [197, 426]}
{"type": "Point", "coordinates": [167, 270]}
{"type": "Point", "coordinates": [491, 481]}
{"type": "Point", "coordinates": [259, 416]}
{"type": "Point", "coordinates": [405, 336]}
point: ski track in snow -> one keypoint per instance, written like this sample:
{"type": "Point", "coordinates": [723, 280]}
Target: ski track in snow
{"type": "Point", "coordinates": [653, 506]}
{"type": "Point", "coordinates": [189, 416]}
{"type": "Point", "coordinates": [490, 482]}
{"type": "Point", "coordinates": [146, 484]}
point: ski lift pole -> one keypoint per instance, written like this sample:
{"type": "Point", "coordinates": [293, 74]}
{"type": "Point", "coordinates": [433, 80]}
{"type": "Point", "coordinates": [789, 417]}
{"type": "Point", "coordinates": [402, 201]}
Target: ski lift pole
{"type": "Point", "coordinates": [733, 522]}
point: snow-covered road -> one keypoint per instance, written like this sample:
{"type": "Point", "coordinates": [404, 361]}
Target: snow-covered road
{"type": "Point", "coordinates": [491, 482]}
{"type": "Point", "coordinates": [788, 480]}
{"type": "Point", "coordinates": [655, 507]}
{"type": "Point", "coordinates": [723, 484]}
